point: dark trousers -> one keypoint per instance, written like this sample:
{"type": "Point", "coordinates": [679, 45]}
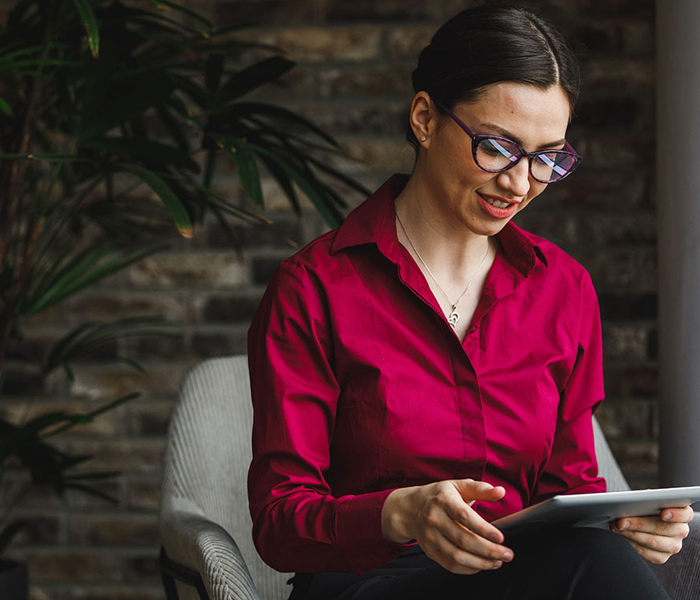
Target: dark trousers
{"type": "Point", "coordinates": [573, 564]}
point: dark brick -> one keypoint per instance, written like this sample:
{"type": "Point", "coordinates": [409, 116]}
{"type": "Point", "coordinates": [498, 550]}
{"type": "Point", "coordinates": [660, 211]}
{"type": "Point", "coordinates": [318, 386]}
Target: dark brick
{"type": "Point", "coordinates": [143, 568]}
{"type": "Point", "coordinates": [117, 304]}
{"type": "Point", "coordinates": [71, 566]}
{"type": "Point", "coordinates": [622, 420]}
{"type": "Point", "coordinates": [604, 151]}
{"type": "Point", "coordinates": [640, 458]}
{"type": "Point", "coordinates": [277, 235]}
{"type": "Point", "coordinates": [40, 530]}
{"type": "Point", "coordinates": [653, 345]}
{"type": "Point", "coordinates": [394, 10]}
{"type": "Point", "coordinates": [143, 493]}
{"type": "Point", "coordinates": [628, 36]}
{"type": "Point", "coordinates": [613, 70]}
{"type": "Point", "coordinates": [321, 44]}
{"type": "Point", "coordinates": [366, 80]}
{"type": "Point", "coordinates": [603, 113]}
{"type": "Point", "coordinates": [339, 119]}
{"type": "Point", "coordinates": [641, 9]}
{"type": "Point", "coordinates": [121, 592]}
{"type": "Point", "coordinates": [211, 345]}
{"type": "Point", "coordinates": [636, 382]}
{"type": "Point", "coordinates": [167, 346]}
{"type": "Point", "coordinates": [150, 418]}
{"type": "Point", "coordinates": [633, 269]}
{"type": "Point", "coordinates": [23, 382]}
{"type": "Point", "coordinates": [264, 12]}
{"type": "Point", "coordinates": [115, 529]}
{"type": "Point", "coordinates": [600, 189]}
{"type": "Point", "coordinates": [625, 342]}
{"type": "Point", "coordinates": [264, 268]}
{"type": "Point", "coordinates": [231, 309]}
{"type": "Point", "coordinates": [616, 306]}
{"type": "Point", "coordinates": [560, 228]}
{"type": "Point", "coordinates": [600, 230]}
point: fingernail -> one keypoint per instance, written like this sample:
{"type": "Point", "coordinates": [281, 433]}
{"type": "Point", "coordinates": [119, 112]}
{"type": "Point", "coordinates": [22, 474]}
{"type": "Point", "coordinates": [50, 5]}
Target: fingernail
{"type": "Point", "coordinates": [507, 556]}
{"type": "Point", "coordinates": [667, 516]}
{"type": "Point", "coordinates": [625, 525]}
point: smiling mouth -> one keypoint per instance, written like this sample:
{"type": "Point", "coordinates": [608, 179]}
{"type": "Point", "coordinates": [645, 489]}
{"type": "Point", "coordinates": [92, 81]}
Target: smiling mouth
{"type": "Point", "coordinates": [496, 203]}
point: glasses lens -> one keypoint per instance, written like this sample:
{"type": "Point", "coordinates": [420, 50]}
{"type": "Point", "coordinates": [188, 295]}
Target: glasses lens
{"type": "Point", "coordinates": [552, 166]}
{"type": "Point", "coordinates": [496, 154]}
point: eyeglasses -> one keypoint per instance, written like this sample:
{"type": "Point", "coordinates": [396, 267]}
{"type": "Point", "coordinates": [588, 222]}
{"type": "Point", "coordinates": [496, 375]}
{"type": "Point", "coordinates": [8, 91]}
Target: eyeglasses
{"type": "Point", "coordinates": [496, 154]}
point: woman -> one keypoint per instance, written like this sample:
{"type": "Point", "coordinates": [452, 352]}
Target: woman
{"type": "Point", "coordinates": [430, 367]}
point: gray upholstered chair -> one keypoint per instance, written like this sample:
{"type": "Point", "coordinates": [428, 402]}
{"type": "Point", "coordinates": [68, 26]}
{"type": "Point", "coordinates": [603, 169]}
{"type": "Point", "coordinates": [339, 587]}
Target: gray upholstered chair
{"type": "Point", "coordinates": [205, 523]}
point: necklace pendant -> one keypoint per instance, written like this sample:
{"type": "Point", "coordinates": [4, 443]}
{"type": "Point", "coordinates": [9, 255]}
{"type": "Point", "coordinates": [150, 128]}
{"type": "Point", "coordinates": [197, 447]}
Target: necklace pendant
{"type": "Point", "coordinates": [453, 319]}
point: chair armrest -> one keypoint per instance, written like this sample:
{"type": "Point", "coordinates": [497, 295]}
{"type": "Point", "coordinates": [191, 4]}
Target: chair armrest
{"type": "Point", "coordinates": [196, 542]}
{"type": "Point", "coordinates": [680, 575]}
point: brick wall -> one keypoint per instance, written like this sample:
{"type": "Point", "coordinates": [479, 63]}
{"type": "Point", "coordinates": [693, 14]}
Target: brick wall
{"type": "Point", "coordinates": [355, 58]}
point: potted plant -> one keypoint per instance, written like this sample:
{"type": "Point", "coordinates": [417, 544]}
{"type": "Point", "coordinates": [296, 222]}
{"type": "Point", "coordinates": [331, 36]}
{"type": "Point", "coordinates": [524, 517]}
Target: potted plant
{"type": "Point", "coordinates": [101, 101]}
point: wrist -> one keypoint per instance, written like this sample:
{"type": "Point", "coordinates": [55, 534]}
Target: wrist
{"type": "Point", "coordinates": [394, 523]}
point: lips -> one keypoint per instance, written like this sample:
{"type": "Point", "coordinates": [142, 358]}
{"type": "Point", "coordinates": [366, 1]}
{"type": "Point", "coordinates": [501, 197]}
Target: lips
{"type": "Point", "coordinates": [494, 206]}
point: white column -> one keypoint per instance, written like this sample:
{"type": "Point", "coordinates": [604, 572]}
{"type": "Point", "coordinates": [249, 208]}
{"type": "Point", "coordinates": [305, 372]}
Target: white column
{"type": "Point", "coordinates": [678, 202]}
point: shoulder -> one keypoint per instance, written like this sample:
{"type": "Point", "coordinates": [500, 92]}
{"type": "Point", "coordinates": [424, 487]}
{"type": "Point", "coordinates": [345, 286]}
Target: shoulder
{"type": "Point", "coordinates": [313, 260]}
{"type": "Point", "coordinates": [559, 263]}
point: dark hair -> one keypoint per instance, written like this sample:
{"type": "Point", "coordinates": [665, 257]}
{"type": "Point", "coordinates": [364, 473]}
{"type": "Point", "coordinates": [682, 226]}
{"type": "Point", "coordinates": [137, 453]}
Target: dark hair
{"type": "Point", "coordinates": [485, 45]}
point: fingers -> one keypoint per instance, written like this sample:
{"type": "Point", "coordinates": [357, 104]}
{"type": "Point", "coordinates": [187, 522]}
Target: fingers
{"type": "Point", "coordinates": [654, 525]}
{"type": "Point", "coordinates": [471, 491]}
{"type": "Point", "coordinates": [678, 515]}
{"type": "Point", "coordinates": [652, 555]}
{"type": "Point", "coordinates": [456, 532]}
{"type": "Point", "coordinates": [656, 538]}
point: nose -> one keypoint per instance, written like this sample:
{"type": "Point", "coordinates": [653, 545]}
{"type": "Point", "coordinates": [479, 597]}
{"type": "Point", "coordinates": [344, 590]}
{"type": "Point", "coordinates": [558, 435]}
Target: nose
{"type": "Point", "coordinates": [517, 179]}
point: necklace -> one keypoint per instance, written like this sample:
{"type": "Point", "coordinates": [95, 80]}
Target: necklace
{"type": "Point", "coordinates": [453, 317]}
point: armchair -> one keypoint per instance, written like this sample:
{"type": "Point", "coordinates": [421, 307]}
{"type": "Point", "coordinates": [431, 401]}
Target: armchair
{"type": "Point", "coordinates": [205, 526]}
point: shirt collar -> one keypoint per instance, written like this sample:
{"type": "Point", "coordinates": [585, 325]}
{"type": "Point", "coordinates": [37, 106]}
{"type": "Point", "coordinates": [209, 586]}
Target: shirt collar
{"type": "Point", "coordinates": [374, 221]}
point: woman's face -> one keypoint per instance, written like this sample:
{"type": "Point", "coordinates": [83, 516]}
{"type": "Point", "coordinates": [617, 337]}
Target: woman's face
{"type": "Point", "coordinates": [460, 192]}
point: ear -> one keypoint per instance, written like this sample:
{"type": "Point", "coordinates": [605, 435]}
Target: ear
{"type": "Point", "coordinates": [423, 118]}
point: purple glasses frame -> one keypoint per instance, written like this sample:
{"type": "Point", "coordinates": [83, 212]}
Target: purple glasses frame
{"type": "Point", "coordinates": [477, 138]}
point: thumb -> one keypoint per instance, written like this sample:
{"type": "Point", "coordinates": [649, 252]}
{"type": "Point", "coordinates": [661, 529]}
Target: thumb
{"type": "Point", "coordinates": [472, 490]}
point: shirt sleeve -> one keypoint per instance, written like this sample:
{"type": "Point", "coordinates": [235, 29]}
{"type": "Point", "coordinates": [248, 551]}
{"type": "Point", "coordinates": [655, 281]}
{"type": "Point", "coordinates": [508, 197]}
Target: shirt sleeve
{"type": "Point", "coordinates": [298, 525]}
{"type": "Point", "coordinates": [572, 467]}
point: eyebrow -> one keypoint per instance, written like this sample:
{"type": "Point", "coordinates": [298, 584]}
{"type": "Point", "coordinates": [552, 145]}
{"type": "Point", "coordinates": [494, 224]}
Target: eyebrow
{"type": "Point", "coordinates": [507, 134]}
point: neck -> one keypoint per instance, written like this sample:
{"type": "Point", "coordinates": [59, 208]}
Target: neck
{"type": "Point", "coordinates": [449, 248]}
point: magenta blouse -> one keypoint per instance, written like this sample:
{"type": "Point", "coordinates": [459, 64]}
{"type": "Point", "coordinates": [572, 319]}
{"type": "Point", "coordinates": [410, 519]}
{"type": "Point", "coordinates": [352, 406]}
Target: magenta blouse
{"type": "Point", "coordinates": [360, 386]}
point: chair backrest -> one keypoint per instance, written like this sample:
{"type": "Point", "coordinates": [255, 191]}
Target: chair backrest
{"type": "Point", "coordinates": [607, 465]}
{"type": "Point", "coordinates": [209, 451]}
{"type": "Point", "coordinates": [208, 454]}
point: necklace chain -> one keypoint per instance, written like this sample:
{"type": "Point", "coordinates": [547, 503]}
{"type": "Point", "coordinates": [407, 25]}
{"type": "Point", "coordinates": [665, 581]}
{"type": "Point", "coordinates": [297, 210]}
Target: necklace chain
{"type": "Point", "coordinates": [453, 317]}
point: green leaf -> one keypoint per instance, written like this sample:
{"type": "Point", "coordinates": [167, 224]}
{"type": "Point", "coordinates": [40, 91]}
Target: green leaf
{"type": "Point", "coordinates": [165, 193]}
{"type": "Point", "coordinates": [311, 188]}
{"type": "Point", "coordinates": [284, 182]}
{"type": "Point", "coordinates": [87, 18]}
{"type": "Point", "coordinates": [144, 149]}
{"type": "Point", "coordinates": [10, 532]}
{"type": "Point", "coordinates": [162, 4]}
{"type": "Point", "coordinates": [251, 78]}
{"type": "Point", "coordinates": [247, 169]}
{"type": "Point", "coordinates": [213, 71]}
{"type": "Point", "coordinates": [277, 113]}
{"type": "Point", "coordinates": [124, 99]}
{"type": "Point", "coordinates": [5, 107]}
{"type": "Point", "coordinates": [89, 267]}
{"type": "Point", "coordinates": [16, 67]}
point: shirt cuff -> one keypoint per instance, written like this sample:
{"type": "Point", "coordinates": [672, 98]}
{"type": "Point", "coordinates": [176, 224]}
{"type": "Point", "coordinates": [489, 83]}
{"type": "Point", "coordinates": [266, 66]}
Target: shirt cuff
{"type": "Point", "coordinates": [358, 529]}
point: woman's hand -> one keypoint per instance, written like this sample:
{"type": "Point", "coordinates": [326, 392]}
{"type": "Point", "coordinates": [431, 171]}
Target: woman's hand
{"type": "Point", "coordinates": [656, 538]}
{"type": "Point", "coordinates": [440, 517]}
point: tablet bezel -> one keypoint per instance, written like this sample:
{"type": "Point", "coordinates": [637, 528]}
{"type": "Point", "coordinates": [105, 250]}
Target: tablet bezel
{"type": "Point", "coordinates": [596, 510]}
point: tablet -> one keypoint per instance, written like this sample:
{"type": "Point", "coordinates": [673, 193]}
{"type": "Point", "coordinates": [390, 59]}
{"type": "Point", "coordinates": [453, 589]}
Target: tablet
{"type": "Point", "coordinates": [596, 510]}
